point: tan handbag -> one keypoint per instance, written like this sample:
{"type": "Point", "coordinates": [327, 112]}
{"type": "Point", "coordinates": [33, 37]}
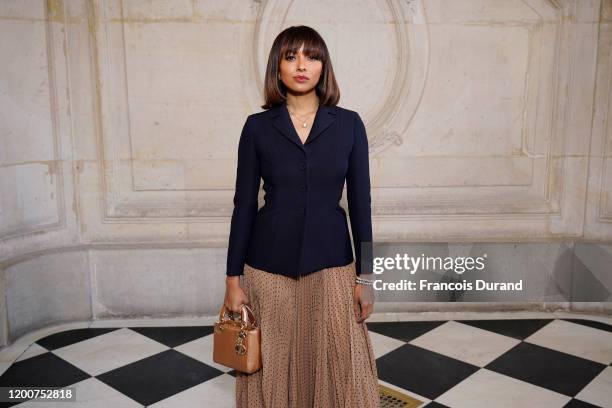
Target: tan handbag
{"type": "Point", "coordinates": [237, 344]}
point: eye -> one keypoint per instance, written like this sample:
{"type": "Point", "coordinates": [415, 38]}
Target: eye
{"type": "Point", "coordinates": [289, 57]}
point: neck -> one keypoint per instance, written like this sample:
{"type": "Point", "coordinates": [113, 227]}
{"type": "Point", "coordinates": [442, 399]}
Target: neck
{"type": "Point", "coordinates": [303, 103]}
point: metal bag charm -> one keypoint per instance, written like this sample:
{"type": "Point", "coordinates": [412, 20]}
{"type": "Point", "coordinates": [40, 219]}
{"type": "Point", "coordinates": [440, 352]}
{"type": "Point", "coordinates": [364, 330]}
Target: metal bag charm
{"type": "Point", "coordinates": [237, 344]}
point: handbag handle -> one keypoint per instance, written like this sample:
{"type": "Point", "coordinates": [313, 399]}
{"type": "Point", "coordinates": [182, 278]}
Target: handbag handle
{"type": "Point", "coordinates": [245, 313]}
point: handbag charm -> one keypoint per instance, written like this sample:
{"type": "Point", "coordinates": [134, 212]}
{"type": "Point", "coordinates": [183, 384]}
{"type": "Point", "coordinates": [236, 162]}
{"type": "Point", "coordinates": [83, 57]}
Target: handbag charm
{"type": "Point", "coordinates": [237, 344]}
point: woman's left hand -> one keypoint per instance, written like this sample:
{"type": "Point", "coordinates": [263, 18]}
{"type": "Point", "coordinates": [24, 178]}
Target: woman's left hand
{"type": "Point", "coordinates": [363, 301]}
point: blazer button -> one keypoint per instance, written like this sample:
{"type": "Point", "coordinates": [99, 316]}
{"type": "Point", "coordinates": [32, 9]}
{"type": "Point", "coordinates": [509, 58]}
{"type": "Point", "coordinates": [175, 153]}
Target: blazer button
{"type": "Point", "coordinates": [302, 166]}
{"type": "Point", "coordinates": [302, 187]}
{"type": "Point", "coordinates": [301, 209]}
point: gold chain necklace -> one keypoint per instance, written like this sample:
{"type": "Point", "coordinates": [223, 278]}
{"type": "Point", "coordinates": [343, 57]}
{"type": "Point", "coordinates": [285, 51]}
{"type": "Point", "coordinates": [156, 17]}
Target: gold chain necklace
{"type": "Point", "coordinates": [304, 122]}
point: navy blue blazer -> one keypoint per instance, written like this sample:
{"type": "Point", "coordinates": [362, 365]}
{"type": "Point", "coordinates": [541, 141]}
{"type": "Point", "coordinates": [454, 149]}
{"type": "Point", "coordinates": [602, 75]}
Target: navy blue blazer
{"type": "Point", "coordinates": [301, 228]}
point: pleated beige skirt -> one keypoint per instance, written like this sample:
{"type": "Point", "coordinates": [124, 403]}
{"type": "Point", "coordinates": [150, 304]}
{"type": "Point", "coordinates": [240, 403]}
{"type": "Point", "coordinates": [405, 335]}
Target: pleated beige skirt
{"type": "Point", "coordinates": [314, 353]}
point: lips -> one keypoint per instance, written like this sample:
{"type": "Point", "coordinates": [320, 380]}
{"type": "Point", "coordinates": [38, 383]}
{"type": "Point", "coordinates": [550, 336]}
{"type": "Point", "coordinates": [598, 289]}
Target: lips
{"type": "Point", "coordinates": [301, 78]}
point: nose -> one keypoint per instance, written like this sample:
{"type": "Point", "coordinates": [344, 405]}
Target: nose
{"type": "Point", "coordinates": [301, 62]}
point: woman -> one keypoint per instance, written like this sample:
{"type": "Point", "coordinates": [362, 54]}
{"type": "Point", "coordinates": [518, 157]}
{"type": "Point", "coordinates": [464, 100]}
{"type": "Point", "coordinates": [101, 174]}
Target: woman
{"type": "Point", "coordinates": [295, 253]}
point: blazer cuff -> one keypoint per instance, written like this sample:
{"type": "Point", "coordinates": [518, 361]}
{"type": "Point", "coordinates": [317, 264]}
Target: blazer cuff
{"type": "Point", "coordinates": [235, 272]}
{"type": "Point", "coordinates": [364, 259]}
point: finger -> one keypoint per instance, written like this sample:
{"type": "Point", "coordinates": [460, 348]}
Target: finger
{"type": "Point", "coordinates": [362, 317]}
{"type": "Point", "coordinates": [367, 311]}
{"type": "Point", "coordinates": [356, 310]}
{"type": "Point", "coordinates": [361, 312]}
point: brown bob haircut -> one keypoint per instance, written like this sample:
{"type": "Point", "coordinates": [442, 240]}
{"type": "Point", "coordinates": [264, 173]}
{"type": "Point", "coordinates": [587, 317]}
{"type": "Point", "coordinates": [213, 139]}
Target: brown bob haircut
{"type": "Point", "coordinates": [289, 42]}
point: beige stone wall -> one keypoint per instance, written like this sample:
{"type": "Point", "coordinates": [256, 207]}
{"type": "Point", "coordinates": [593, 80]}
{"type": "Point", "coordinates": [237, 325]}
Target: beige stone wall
{"type": "Point", "coordinates": [488, 120]}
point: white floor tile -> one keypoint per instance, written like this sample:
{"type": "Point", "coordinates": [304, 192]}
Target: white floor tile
{"type": "Point", "coordinates": [90, 393]}
{"type": "Point", "coordinates": [466, 343]}
{"type": "Point", "coordinates": [383, 344]}
{"type": "Point", "coordinates": [202, 349]}
{"type": "Point", "coordinates": [33, 350]}
{"type": "Point", "coordinates": [218, 392]}
{"type": "Point", "coordinates": [599, 391]}
{"type": "Point", "coordinates": [576, 339]}
{"type": "Point", "coordinates": [4, 366]}
{"type": "Point", "coordinates": [109, 351]}
{"type": "Point", "coordinates": [486, 389]}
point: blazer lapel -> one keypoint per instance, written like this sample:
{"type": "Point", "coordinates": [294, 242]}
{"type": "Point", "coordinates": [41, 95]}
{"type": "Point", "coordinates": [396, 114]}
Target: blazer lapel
{"type": "Point", "coordinates": [282, 121]}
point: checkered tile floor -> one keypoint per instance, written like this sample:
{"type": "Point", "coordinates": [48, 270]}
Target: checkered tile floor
{"type": "Point", "coordinates": [447, 363]}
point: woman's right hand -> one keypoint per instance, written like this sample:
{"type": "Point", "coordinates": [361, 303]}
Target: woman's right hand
{"type": "Point", "coordinates": [234, 295]}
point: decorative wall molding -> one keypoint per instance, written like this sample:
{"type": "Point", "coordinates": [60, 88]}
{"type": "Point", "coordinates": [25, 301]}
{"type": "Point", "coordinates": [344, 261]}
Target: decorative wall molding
{"type": "Point", "coordinates": [55, 42]}
{"type": "Point", "coordinates": [598, 218]}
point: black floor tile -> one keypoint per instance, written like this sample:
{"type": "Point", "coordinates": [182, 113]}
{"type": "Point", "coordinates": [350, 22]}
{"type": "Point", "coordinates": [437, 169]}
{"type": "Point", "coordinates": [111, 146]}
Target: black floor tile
{"type": "Point", "coordinates": [174, 336]}
{"type": "Point", "coordinates": [405, 331]}
{"type": "Point", "coordinates": [547, 368]}
{"type": "Point", "coordinates": [422, 371]}
{"type": "Point", "coordinates": [434, 404]}
{"type": "Point", "coordinates": [43, 370]}
{"type": "Point", "coordinates": [69, 337]}
{"type": "Point", "coordinates": [591, 323]}
{"type": "Point", "coordinates": [574, 403]}
{"type": "Point", "coordinates": [516, 328]}
{"type": "Point", "coordinates": [159, 376]}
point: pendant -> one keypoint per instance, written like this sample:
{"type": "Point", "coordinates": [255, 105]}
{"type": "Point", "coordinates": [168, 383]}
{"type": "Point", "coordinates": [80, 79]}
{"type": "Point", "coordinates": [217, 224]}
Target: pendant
{"type": "Point", "coordinates": [304, 124]}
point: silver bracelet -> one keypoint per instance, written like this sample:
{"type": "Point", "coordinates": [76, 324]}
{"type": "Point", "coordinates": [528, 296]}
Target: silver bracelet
{"type": "Point", "coordinates": [363, 281]}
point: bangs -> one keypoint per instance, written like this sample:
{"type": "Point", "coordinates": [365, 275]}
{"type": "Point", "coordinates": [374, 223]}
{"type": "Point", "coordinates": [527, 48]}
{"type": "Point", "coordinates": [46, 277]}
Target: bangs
{"type": "Point", "coordinates": [312, 46]}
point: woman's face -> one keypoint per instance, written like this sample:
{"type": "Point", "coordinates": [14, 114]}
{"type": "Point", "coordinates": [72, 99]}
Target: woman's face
{"type": "Point", "coordinates": [300, 73]}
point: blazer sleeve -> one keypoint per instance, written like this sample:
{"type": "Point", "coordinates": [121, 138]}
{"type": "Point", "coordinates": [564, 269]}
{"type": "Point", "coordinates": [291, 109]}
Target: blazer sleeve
{"type": "Point", "coordinates": [245, 202]}
{"type": "Point", "coordinates": [358, 198]}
